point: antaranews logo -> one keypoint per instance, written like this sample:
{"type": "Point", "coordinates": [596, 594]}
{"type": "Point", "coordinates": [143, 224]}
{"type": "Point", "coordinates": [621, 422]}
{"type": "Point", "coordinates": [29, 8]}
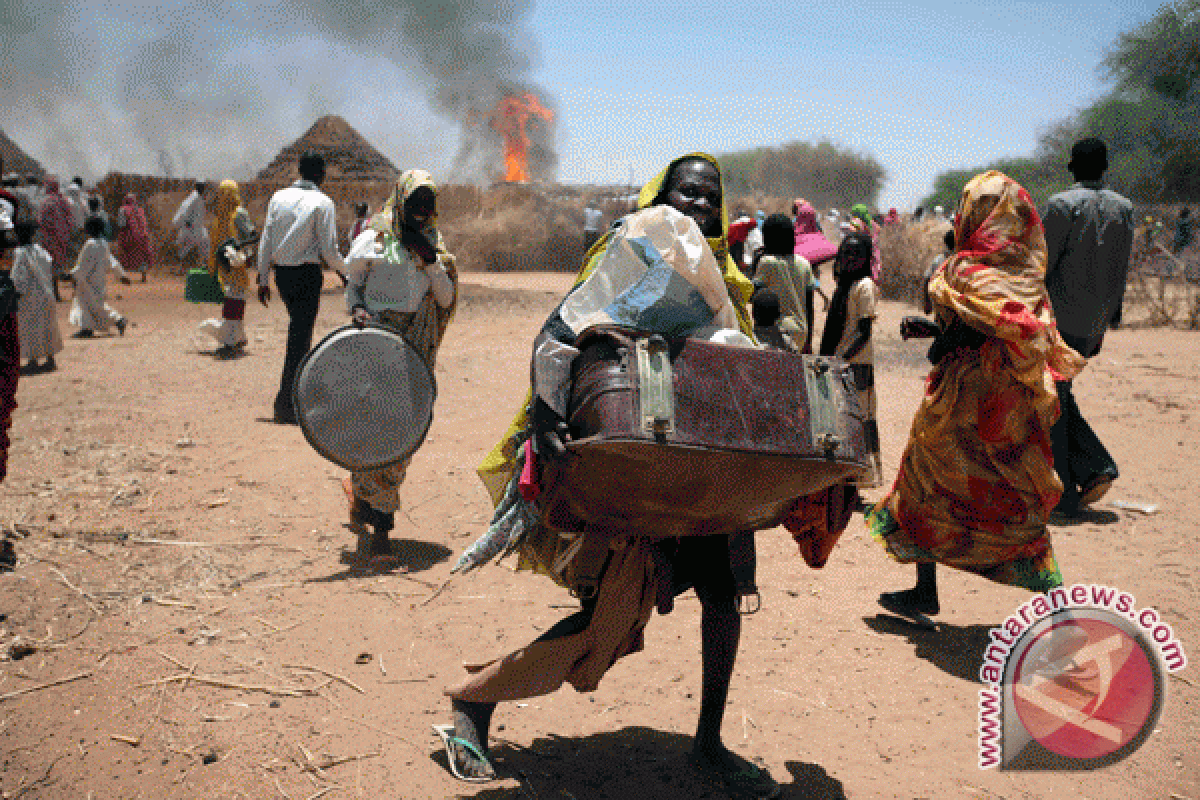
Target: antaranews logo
{"type": "Point", "coordinates": [1074, 679]}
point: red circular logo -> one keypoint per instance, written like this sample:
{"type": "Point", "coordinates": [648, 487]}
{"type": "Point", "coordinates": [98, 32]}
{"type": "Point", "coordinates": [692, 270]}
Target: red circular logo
{"type": "Point", "coordinates": [1085, 688]}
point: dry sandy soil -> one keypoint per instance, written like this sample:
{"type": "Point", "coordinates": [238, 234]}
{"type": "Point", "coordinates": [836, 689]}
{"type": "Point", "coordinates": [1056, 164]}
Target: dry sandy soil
{"type": "Point", "coordinates": [172, 540]}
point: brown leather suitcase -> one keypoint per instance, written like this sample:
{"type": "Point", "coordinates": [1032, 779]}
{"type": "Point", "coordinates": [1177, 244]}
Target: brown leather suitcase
{"type": "Point", "coordinates": [686, 437]}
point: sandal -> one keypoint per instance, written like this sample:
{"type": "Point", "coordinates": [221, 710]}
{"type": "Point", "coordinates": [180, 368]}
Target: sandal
{"type": "Point", "coordinates": [452, 743]}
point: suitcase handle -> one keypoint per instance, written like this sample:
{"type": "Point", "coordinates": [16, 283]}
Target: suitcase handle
{"type": "Point", "coordinates": [656, 386]}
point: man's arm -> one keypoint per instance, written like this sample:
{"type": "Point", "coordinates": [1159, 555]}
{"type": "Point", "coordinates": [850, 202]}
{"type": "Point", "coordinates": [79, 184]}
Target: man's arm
{"type": "Point", "coordinates": [326, 230]}
{"type": "Point", "coordinates": [1057, 222]}
{"type": "Point", "coordinates": [266, 244]}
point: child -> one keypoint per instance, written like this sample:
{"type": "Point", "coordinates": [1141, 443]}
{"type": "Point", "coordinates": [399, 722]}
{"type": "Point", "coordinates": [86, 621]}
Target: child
{"type": "Point", "coordinates": [33, 277]}
{"type": "Point", "coordinates": [788, 275]}
{"type": "Point", "coordinates": [89, 310]}
{"type": "Point", "coordinates": [771, 331]}
{"type": "Point", "coordinates": [848, 333]}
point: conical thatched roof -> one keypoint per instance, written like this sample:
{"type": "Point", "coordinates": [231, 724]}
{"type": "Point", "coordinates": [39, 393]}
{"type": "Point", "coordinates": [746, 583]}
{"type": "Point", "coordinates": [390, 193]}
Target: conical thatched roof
{"type": "Point", "coordinates": [348, 156]}
{"type": "Point", "coordinates": [15, 159]}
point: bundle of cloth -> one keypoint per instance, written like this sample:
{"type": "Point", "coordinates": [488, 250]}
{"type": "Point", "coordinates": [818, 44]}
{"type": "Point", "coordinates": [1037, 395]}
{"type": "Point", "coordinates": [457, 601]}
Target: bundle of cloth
{"type": "Point", "coordinates": [811, 243]}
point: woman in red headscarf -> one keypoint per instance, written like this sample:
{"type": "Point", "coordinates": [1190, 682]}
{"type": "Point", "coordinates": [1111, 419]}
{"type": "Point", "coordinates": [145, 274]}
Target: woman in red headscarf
{"type": "Point", "coordinates": [976, 483]}
{"type": "Point", "coordinates": [133, 236]}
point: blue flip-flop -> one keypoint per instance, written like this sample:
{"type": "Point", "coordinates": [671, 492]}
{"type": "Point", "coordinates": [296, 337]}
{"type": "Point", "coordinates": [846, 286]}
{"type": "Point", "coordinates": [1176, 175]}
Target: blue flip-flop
{"type": "Point", "coordinates": [451, 741]}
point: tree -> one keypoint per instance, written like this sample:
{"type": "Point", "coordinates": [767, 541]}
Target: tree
{"type": "Point", "coordinates": [1148, 119]}
{"type": "Point", "coordinates": [823, 173]}
{"type": "Point", "coordinates": [1040, 177]}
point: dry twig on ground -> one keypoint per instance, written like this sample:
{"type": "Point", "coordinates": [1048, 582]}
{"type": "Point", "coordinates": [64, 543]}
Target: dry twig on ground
{"type": "Point", "coordinates": [327, 674]}
{"type": "Point", "coordinates": [40, 686]}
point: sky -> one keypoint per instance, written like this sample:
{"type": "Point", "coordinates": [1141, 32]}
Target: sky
{"type": "Point", "coordinates": [922, 86]}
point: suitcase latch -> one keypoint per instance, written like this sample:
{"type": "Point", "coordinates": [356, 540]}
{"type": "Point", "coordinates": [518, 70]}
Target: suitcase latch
{"type": "Point", "coordinates": [822, 407]}
{"type": "Point", "coordinates": [829, 443]}
{"type": "Point", "coordinates": [656, 386]}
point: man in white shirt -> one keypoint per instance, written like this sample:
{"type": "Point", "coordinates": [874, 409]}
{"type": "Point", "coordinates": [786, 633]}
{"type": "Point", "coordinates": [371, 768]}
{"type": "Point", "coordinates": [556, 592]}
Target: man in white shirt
{"type": "Point", "coordinates": [300, 232]}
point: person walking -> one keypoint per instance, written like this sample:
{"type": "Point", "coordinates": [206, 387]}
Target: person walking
{"type": "Point", "coordinates": [593, 225]}
{"type": "Point", "coordinates": [401, 278]}
{"type": "Point", "coordinates": [133, 236]}
{"type": "Point", "coordinates": [55, 221]}
{"type": "Point", "coordinates": [300, 231]}
{"type": "Point", "coordinates": [33, 276]}
{"type": "Point", "coordinates": [191, 227]}
{"type": "Point", "coordinates": [976, 483]}
{"type": "Point", "coordinates": [233, 231]}
{"type": "Point", "coordinates": [1089, 236]}
{"type": "Point", "coordinates": [687, 198]}
{"type": "Point", "coordinates": [1183, 231]}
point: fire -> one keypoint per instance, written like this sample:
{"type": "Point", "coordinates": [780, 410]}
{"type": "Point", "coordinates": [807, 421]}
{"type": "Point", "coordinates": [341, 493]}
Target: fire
{"type": "Point", "coordinates": [510, 119]}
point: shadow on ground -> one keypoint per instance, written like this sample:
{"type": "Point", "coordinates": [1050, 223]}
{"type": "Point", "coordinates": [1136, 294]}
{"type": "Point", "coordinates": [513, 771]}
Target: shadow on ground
{"type": "Point", "coordinates": [954, 649]}
{"type": "Point", "coordinates": [407, 556]}
{"type": "Point", "coordinates": [1088, 516]}
{"type": "Point", "coordinates": [631, 762]}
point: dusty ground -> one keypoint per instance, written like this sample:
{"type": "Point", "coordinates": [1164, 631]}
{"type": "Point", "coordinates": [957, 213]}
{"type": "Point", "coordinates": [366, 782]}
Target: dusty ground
{"type": "Point", "coordinates": [167, 529]}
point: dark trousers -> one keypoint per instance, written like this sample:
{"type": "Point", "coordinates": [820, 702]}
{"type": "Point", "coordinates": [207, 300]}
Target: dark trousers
{"type": "Point", "coordinates": [1079, 455]}
{"type": "Point", "coordinates": [300, 290]}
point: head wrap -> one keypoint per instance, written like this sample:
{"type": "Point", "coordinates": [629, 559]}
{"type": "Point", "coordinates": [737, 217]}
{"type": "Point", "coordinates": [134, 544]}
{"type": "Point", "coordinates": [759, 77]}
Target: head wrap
{"type": "Point", "coordinates": [390, 220]}
{"type": "Point", "coordinates": [227, 202]}
{"type": "Point", "coordinates": [225, 208]}
{"type": "Point", "coordinates": [861, 211]}
{"type": "Point", "coordinates": [409, 181]}
{"type": "Point", "coordinates": [995, 281]}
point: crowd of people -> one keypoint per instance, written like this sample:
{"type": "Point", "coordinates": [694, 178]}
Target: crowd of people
{"type": "Point", "coordinates": [998, 445]}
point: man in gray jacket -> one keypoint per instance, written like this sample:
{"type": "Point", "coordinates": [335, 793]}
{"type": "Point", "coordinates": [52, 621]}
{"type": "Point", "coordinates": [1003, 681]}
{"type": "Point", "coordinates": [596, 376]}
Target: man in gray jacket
{"type": "Point", "coordinates": [1089, 234]}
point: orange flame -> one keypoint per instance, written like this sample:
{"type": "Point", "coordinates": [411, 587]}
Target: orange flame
{"type": "Point", "coordinates": [510, 119]}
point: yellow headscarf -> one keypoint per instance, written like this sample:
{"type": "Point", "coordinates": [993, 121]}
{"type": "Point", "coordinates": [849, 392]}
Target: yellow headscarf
{"type": "Point", "coordinates": [228, 201]}
{"type": "Point", "coordinates": [497, 467]}
{"type": "Point", "coordinates": [409, 181]}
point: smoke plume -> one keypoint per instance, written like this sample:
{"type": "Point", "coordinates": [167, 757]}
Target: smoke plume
{"type": "Point", "coordinates": [212, 89]}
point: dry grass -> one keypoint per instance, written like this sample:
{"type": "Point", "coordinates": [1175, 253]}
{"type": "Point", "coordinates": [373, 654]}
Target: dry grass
{"type": "Point", "coordinates": [906, 248]}
{"type": "Point", "coordinates": [505, 228]}
{"type": "Point", "coordinates": [1163, 289]}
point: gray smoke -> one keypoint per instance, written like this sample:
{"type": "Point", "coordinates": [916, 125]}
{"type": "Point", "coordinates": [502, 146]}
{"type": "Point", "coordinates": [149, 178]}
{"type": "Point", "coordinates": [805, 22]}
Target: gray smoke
{"type": "Point", "coordinates": [199, 87]}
